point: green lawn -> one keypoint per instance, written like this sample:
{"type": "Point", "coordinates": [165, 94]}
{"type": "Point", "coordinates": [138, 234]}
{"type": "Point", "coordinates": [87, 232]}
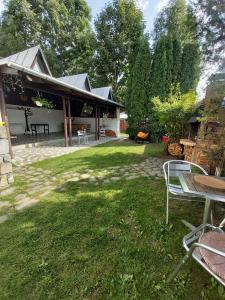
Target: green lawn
{"type": "Point", "coordinates": [116, 153]}
{"type": "Point", "coordinates": [101, 242]}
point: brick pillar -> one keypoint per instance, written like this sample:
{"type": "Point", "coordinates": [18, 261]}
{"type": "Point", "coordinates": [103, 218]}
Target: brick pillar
{"type": "Point", "coordinates": [6, 175]}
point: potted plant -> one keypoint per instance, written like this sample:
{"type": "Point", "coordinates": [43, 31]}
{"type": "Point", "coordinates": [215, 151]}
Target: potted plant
{"type": "Point", "coordinates": [42, 102]}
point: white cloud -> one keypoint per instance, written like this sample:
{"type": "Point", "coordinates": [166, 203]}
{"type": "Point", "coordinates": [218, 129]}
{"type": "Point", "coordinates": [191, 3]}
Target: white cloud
{"type": "Point", "coordinates": [161, 5]}
{"type": "Point", "coordinates": [142, 4]}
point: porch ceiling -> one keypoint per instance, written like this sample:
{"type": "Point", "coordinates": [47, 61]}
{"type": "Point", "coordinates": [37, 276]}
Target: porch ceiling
{"type": "Point", "coordinates": [51, 85]}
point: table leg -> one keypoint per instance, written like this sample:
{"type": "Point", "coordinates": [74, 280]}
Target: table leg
{"type": "Point", "coordinates": [207, 210]}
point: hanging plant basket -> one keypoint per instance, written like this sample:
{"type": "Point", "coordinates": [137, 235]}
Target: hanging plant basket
{"type": "Point", "coordinates": [42, 102]}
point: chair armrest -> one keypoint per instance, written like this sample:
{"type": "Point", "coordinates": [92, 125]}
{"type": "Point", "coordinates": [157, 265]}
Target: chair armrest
{"type": "Point", "coordinates": [213, 250]}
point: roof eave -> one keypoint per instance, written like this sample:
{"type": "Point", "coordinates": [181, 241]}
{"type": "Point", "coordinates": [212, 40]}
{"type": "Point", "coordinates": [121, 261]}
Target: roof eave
{"type": "Point", "coordinates": [54, 80]}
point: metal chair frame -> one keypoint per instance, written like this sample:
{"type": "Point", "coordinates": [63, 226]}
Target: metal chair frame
{"type": "Point", "coordinates": [175, 191]}
{"type": "Point", "coordinates": [82, 135]}
{"type": "Point", "coordinates": [191, 245]}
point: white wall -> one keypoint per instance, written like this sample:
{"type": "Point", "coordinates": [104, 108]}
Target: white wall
{"type": "Point", "coordinates": [112, 124]}
{"type": "Point", "coordinates": [40, 115]}
{"type": "Point", "coordinates": [55, 120]}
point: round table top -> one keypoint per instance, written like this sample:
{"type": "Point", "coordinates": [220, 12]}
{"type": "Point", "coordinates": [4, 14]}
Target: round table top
{"type": "Point", "coordinates": [211, 182]}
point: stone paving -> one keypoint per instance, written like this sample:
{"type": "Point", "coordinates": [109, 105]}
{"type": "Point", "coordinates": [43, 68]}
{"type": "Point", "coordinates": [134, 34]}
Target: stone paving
{"type": "Point", "coordinates": [41, 182]}
{"type": "Point", "coordinates": [28, 155]}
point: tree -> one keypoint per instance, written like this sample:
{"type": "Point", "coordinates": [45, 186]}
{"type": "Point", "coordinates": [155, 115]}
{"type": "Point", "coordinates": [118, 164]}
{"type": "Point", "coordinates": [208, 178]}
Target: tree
{"type": "Point", "coordinates": [137, 102]}
{"type": "Point", "coordinates": [177, 20]}
{"type": "Point", "coordinates": [61, 27]}
{"type": "Point", "coordinates": [211, 25]}
{"type": "Point", "coordinates": [162, 65]}
{"type": "Point", "coordinates": [177, 58]}
{"type": "Point", "coordinates": [174, 113]}
{"type": "Point", "coordinates": [177, 54]}
{"type": "Point", "coordinates": [118, 28]}
{"type": "Point", "coordinates": [190, 67]}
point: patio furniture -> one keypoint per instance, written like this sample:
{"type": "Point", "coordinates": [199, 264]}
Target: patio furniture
{"type": "Point", "coordinates": [172, 169]}
{"type": "Point", "coordinates": [80, 126]}
{"type": "Point", "coordinates": [82, 136]}
{"type": "Point", "coordinates": [210, 190]}
{"type": "Point", "coordinates": [35, 126]}
{"type": "Point", "coordinates": [142, 136]}
{"type": "Point", "coordinates": [206, 244]}
{"type": "Point", "coordinates": [102, 132]}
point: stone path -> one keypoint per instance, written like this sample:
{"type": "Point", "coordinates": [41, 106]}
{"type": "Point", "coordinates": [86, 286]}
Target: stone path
{"type": "Point", "coordinates": [42, 182]}
{"type": "Point", "coordinates": [29, 155]}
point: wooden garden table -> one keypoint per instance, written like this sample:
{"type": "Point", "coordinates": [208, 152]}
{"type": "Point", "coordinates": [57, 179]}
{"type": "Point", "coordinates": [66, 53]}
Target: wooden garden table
{"type": "Point", "coordinates": [190, 186]}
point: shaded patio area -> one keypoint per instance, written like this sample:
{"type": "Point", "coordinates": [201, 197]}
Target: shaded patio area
{"type": "Point", "coordinates": [44, 139]}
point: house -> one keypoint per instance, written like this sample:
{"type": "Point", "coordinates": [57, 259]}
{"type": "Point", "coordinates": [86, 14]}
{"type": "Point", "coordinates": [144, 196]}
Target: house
{"type": "Point", "coordinates": [105, 92]}
{"type": "Point", "coordinates": [26, 76]}
{"type": "Point", "coordinates": [80, 81]}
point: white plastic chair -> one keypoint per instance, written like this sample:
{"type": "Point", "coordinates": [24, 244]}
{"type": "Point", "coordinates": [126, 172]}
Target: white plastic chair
{"type": "Point", "coordinates": [172, 169]}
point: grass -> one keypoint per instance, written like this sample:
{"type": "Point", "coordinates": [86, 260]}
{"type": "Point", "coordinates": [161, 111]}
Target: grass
{"type": "Point", "coordinates": [101, 242]}
{"type": "Point", "coordinates": [102, 156]}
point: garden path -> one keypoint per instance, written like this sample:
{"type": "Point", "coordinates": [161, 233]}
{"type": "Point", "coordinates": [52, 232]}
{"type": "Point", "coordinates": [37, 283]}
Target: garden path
{"type": "Point", "coordinates": [28, 155]}
{"type": "Point", "coordinates": [41, 182]}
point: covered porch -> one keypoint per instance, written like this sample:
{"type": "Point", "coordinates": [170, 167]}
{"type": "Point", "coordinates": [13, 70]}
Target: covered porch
{"type": "Point", "coordinates": [72, 110]}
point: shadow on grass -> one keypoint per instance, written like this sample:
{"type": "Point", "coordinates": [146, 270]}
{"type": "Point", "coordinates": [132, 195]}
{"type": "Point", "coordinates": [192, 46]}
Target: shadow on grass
{"type": "Point", "coordinates": [97, 242]}
{"type": "Point", "coordinates": [83, 161]}
{"type": "Point", "coordinates": [111, 154]}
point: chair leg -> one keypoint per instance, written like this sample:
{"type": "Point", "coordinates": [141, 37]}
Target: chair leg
{"type": "Point", "coordinates": [167, 206]}
{"type": "Point", "coordinates": [177, 269]}
{"type": "Point", "coordinates": [212, 212]}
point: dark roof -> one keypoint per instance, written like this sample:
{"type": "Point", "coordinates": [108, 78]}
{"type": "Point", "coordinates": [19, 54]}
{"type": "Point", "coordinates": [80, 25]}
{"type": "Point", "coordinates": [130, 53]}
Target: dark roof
{"type": "Point", "coordinates": [80, 80]}
{"type": "Point", "coordinates": [32, 61]}
{"type": "Point", "coordinates": [27, 58]}
{"type": "Point", "coordinates": [54, 82]}
{"type": "Point", "coordinates": [105, 92]}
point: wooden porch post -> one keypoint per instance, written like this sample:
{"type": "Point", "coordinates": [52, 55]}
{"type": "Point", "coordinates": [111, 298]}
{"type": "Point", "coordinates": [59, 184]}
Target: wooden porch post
{"type": "Point", "coordinates": [96, 122]}
{"type": "Point", "coordinates": [5, 117]}
{"type": "Point", "coordinates": [65, 121]}
{"type": "Point", "coordinates": [70, 122]}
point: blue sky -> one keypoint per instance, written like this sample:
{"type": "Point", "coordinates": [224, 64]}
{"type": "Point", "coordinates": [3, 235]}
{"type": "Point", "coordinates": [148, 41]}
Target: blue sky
{"type": "Point", "coordinates": [149, 7]}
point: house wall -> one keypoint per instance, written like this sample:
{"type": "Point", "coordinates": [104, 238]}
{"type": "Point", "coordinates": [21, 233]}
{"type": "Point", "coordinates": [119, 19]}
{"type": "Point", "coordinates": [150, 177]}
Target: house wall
{"type": "Point", "coordinates": [55, 120]}
{"type": "Point", "coordinates": [112, 124]}
{"type": "Point", "coordinates": [40, 115]}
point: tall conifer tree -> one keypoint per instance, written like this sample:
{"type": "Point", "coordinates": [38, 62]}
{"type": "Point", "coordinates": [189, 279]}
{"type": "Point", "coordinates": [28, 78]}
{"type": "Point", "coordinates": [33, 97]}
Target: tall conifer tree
{"type": "Point", "coordinates": [176, 24]}
{"type": "Point", "coordinates": [162, 68]}
{"type": "Point", "coordinates": [177, 57]}
{"type": "Point", "coordinates": [190, 67]}
{"type": "Point", "coordinates": [138, 94]}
